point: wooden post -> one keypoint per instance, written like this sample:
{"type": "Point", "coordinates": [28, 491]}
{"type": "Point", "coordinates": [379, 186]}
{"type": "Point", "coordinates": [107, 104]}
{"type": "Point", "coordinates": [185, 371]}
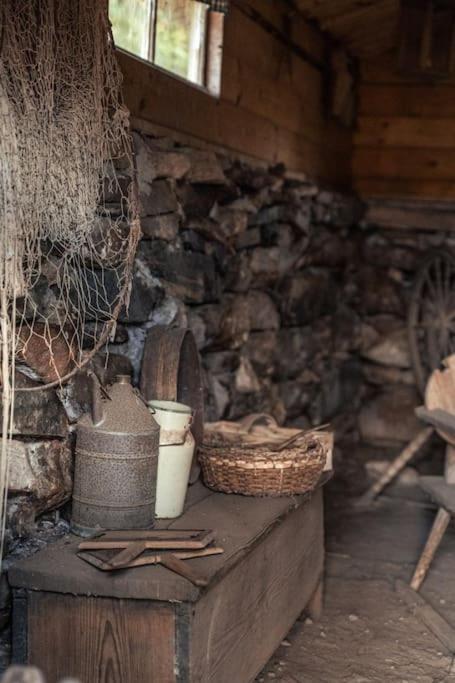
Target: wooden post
{"type": "Point", "coordinates": [315, 605]}
{"type": "Point", "coordinates": [434, 539]}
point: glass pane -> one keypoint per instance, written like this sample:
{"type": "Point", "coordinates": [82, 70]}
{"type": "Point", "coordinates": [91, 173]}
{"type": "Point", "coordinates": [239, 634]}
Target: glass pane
{"type": "Point", "coordinates": [180, 38]}
{"type": "Point", "coordinates": [130, 25]}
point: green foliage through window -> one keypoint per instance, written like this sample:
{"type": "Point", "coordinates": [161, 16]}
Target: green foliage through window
{"type": "Point", "coordinates": [169, 33]}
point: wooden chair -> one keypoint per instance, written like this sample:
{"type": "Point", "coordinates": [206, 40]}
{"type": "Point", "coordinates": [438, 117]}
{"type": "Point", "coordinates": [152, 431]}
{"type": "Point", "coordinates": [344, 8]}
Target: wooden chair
{"type": "Point", "coordinates": [438, 415]}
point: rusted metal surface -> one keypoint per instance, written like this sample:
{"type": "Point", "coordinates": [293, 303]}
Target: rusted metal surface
{"type": "Point", "coordinates": [116, 463]}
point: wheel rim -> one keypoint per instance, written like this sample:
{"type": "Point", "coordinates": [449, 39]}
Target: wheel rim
{"type": "Point", "coordinates": [431, 317]}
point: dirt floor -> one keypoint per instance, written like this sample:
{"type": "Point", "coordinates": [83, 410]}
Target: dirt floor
{"type": "Point", "coordinates": [367, 633]}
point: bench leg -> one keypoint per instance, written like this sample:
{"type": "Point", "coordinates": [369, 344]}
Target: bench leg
{"type": "Point", "coordinates": [315, 604]}
{"type": "Point", "coordinates": [434, 539]}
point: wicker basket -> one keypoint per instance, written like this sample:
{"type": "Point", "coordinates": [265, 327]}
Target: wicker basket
{"type": "Point", "coordinates": [234, 460]}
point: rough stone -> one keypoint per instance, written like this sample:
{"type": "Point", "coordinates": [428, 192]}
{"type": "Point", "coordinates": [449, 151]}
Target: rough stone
{"type": "Point", "coordinates": [381, 375]}
{"type": "Point", "coordinates": [264, 265]}
{"type": "Point", "coordinates": [157, 198]}
{"type": "Point", "coordinates": [238, 276]}
{"type": "Point", "coordinates": [389, 417]}
{"type": "Point", "coordinates": [198, 200]}
{"type": "Point", "coordinates": [147, 292]}
{"type": "Point", "coordinates": [220, 362]}
{"type": "Point", "coordinates": [296, 397]}
{"type": "Point", "coordinates": [305, 297]}
{"type": "Point", "coordinates": [42, 469]}
{"type": "Point", "coordinates": [379, 294]}
{"type": "Point", "coordinates": [382, 253]}
{"type": "Point", "coordinates": [234, 325]}
{"type": "Point", "coordinates": [246, 380]}
{"type": "Point", "coordinates": [328, 248]}
{"type": "Point", "coordinates": [217, 399]}
{"type": "Point", "coordinates": [249, 238]}
{"type": "Point", "coordinates": [391, 349]}
{"type": "Point", "coordinates": [188, 276]}
{"type": "Point", "coordinates": [154, 162]}
{"type": "Point", "coordinates": [261, 349]}
{"type": "Point", "coordinates": [232, 222]}
{"type": "Point", "coordinates": [162, 227]}
{"type": "Point", "coordinates": [262, 311]}
{"type": "Point", "coordinates": [37, 413]}
{"type": "Point", "coordinates": [204, 168]}
{"type": "Point", "coordinates": [338, 391]}
{"type": "Point", "coordinates": [298, 216]}
{"type": "Point", "coordinates": [295, 349]}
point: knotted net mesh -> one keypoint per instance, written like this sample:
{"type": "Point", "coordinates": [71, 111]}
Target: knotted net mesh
{"type": "Point", "coordinates": [68, 220]}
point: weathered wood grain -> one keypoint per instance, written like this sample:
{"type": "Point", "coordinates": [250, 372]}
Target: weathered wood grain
{"type": "Point", "coordinates": [100, 640]}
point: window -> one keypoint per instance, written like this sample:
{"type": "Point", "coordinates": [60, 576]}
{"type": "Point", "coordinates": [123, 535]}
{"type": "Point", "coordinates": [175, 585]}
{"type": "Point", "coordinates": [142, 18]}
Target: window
{"type": "Point", "coordinates": [181, 36]}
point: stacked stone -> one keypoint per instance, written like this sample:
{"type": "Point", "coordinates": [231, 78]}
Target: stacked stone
{"type": "Point", "coordinates": [254, 261]}
{"type": "Point", "coordinates": [383, 283]}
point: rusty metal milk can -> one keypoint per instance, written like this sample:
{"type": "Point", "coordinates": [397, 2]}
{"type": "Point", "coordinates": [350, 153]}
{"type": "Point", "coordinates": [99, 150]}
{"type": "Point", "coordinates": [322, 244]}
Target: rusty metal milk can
{"type": "Point", "coordinates": [116, 462]}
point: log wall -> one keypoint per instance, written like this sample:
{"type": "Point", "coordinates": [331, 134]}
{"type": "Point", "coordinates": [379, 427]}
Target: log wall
{"type": "Point", "coordinates": [271, 106]}
{"type": "Point", "coordinates": [405, 139]}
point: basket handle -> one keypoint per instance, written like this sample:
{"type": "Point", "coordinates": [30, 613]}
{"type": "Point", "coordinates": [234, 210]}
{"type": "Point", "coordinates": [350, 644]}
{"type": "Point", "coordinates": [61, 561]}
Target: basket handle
{"type": "Point", "coordinates": [249, 421]}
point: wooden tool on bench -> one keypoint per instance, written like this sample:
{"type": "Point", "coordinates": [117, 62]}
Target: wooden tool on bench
{"type": "Point", "coordinates": [161, 539]}
{"type": "Point", "coordinates": [184, 544]}
{"type": "Point", "coordinates": [172, 561]}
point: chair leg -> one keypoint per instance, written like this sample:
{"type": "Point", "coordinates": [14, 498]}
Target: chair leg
{"type": "Point", "coordinates": [434, 539]}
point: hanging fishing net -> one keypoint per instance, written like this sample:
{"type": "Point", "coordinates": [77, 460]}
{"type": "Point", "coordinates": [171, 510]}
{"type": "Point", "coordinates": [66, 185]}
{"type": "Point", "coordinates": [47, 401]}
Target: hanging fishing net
{"type": "Point", "coordinates": [68, 217]}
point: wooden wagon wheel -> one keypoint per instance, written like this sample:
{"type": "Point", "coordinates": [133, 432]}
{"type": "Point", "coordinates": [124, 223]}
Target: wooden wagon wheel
{"type": "Point", "coordinates": [431, 317]}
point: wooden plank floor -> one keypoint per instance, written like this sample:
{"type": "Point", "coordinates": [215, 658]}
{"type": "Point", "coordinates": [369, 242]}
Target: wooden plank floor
{"type": "Point", "coordinates": [239, 521]}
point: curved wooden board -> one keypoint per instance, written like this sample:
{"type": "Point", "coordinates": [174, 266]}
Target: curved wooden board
{"type": "Point", "coordinates": [171, 372]}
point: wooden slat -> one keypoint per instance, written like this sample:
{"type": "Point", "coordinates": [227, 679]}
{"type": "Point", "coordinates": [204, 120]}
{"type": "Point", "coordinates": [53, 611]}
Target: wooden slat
{"type": "Point", "coordinates": [404, 187]}
{"type": "Point", "coordinates": [399, 163]}
{"type": "Point", "coordinates": [407, 100]}
{"type": "Point", "coordinates": [412, 216]}
{"type": "Point", "coordinates": [100, 639]}
{"type": "Point", "coordinates": [405, 132]}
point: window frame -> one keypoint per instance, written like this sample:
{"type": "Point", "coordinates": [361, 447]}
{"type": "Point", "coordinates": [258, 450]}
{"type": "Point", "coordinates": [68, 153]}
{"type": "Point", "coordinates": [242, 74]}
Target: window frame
{"type": "Point", "coordinates": [212, 53]}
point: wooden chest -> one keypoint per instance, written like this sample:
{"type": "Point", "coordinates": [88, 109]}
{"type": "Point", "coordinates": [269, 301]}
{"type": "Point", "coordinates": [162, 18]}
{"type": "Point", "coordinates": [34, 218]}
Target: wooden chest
{"type": "Point", "coordinates": [149, 625]}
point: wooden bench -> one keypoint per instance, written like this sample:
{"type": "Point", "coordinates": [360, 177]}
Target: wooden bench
{"type": "Point", "coordinates": [150, 625]}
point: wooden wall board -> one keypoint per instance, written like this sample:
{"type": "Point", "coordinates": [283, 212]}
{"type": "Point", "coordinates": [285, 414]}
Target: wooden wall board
{"type": "Point", "coordinates": [405, 139]}
{"type": "Point", "coordinates": [404, 162]}
{"type": "Point", "coordinates": [405, 188]}
{"type": "Point", "coordinates": [407, 99]}
{"type": "Point", "coordinates": [96, 640]}
{"type": "Point", "coordinates": [269, 97]}
{"type": "Point", "coordinates": [400, 131]}
{"type": "Point", "coordinates": [246, 617]}
{"type": "Point", "coordinates": [411, 215]}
